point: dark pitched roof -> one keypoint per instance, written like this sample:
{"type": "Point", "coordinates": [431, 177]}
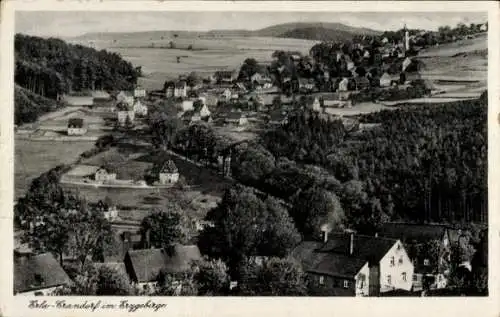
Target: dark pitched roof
{"type": "Point", "coordinates": [408, 232]}
{"type": "Point", "coordinates": [148, 263]}
{"type": "Point", "coordinates": [38, 272]}
{"type": "Point", "coordinates": [75, 122]}
{"type": "Point", "coordinates": [180, 84]}
{"type": "Point", "coordinates": [169, 167]}
{"type": "Point", "coordinates": [334, 258]}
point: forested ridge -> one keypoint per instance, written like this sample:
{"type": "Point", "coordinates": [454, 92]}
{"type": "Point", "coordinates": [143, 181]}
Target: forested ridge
{"type": "Point", "coordinates": [425, 163]}
{"type": "Point", "coordinates": [51, 67]}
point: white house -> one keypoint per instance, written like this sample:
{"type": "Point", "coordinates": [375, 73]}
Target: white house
{"type": "Point", "coordinates": [316, 105]}
{"type": "Point", "coordinates": [139, 92]}
{"type": "Point", "coordinates": [168, 173]}
{"type": "Point", "coordinates": [180, 89]}
{"type": "Point", "coordinates": [346, 264]}
{"type": "Point", "coordinates": [226, 94]}
{"type": "Point", "coordinates": [124, 112]}
{"type": "Point", "coordinates": [187, 105]}
{"type": "Point", "coordinates": [344, 84]}
{"type": "Point", "coordinates": [140, 109]}
{"type": "Point", "coordinates": [385, 80]}
{"type": "Point", "coordinates": [76, 127]}
{"type": "Point", "coordinates": [483, 27]}
{"type": "Point", "coordinates": [125, 97]}
{"type": "Point", "coordinates": [104, 175]}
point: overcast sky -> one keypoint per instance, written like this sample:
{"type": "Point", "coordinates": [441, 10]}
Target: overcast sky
{"type": "Point", "coordinates": [74, 23]}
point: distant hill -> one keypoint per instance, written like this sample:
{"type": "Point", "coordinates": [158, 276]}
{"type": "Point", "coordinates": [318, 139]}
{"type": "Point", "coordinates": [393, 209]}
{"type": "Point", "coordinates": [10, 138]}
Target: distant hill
{"type": "Point", "coordinates": [306, 31]}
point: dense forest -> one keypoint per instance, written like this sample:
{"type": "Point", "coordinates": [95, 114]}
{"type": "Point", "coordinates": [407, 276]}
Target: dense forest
{"type": "Point", "coordinates": [425, 163]}
{"type": "Point", "coordinates": [51, 67]}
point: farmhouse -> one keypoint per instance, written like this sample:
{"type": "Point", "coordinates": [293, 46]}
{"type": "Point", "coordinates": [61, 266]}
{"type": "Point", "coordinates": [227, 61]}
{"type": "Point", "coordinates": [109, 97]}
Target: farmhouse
{"type": "Point", "coordinates": [226, 94]}
{"type": "Point", "coordinates": [237, 118]}
{"type": "Point", "coordinates": [140, 109]}
{"type": "Point", "coordinates": [38, 274]}
{"type": "Point", "coordinates": [180, 89]}
{"type": "Point", "coordinates": [239, 87]}
{"type": "Point", "coordinates": [168, 173]}
{"type": "Point", "coordinates": [433, 272]}
{"type": "Point", "coordinates": [344, 84]}
{"type": "Point", "coordinates": [186, 105]}
{"type": "Point", "coordinates": [75, 127]}
{"type": "Point", "coordinates": [125, 97]}
{"type": "Point", "coordinates": [78, 101]}
{"type": "Point", "coordinates": [104, 174]}
{"type": "Point", "coordinates": [347, 264]}
{"type": "Point", "coordinates": [125, 112]}
{"type": "Point", "coordinates": [169, 89]}
{"type": "Point", "coordinates": [226, 76]}
{"type": "Point", "coordinates": [314, 105]}
{"type": "Point", "coordinates": [361, 83]}
{"type": "Point", "coordinates": [143, 266]}
{"type": "Point", "coordinates": [386, 80]}
{"type": "Point", "coordinates": [139, 92]}
{"type": "Point", "coordinates": [109, 211]}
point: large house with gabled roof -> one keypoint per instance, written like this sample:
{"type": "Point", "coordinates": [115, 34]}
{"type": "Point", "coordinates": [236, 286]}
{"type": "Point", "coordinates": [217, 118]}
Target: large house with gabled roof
{"type": "Point", "coordinates": [38, 275]}
{"type": "Point", "coordinates": [168, 173]}
{"type": "Point", "coordinates": [347, 264]}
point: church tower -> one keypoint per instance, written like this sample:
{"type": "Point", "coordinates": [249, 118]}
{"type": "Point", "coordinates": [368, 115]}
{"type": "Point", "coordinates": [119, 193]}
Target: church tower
{"type": "Point", "coordinates": [406, 40]}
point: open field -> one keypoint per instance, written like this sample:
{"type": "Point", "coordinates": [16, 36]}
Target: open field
{"type": "Point", "coordinates": [33, 158]}
{"type": "Point", "coordinates": [207, 56]}
{"type": "Point", "coordinates": [469, 45]}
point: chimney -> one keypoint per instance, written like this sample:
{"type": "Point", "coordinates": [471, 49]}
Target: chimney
{"type": "Point", "coordinates": [325, 229]}
{"type": "Point", "coordinates": [351, 243]}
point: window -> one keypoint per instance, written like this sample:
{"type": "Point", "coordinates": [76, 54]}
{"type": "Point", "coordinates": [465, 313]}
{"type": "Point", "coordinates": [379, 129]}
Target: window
{"type": "Point", "coordinates": [403, 276]}
{"type": "Point", "coordinates": [415, 277]}
{"type": "Point", "coordinates": [392, 261]}
{"type": "Point", "coordinates": [399, 247]}
{"type": "Point", "coordinates": [346, 284]}
{"type": "Point", "coordinates": [389, 280]}
{"type": "Point", "coordinates": [426, 262]}
{"type": "Point", "coordinates": [321, 280]}
{"type": "Point", "coordinates": [400, 260]}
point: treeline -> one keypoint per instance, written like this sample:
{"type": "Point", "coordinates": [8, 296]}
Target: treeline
{"type": "Point", "coordinates": [51, 66]}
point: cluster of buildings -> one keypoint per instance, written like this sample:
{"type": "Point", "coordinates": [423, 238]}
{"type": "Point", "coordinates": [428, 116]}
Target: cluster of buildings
{"type": "Point", "coordinates": [340, 264]}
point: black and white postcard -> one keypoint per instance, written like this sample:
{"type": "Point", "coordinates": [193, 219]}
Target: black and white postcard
{"type": "Point", "coordinates": [225, 158]}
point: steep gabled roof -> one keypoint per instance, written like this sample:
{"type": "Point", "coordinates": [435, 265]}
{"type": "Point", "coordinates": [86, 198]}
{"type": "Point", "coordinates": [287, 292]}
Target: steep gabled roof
{"type": "Point", "coordinates": [75, 122]}
{"type": "Point", "coordinates": [147, 263]}
{"type": "Point", "coordinates": [169, 167]}
{"type": "Point", "coordinates": [38, 272]}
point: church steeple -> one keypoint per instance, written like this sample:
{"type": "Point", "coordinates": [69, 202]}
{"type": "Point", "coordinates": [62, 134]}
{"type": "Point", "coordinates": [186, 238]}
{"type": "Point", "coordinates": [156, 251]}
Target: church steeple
{"type": "Point", "coordinates": [406, 39]}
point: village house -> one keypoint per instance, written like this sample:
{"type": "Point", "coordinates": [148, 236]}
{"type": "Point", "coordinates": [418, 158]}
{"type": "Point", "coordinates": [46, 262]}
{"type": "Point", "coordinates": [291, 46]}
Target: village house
{"type": "Point", "coordinates": [186, 105]}
{"type": "Point", "coordinates": [344, 84]}
{"type": "Point", "coordinates": [104, 174]}
{"type": "Point", "coordinates": [169, 89]}
{"type": "Point", "coordinates": [386, 80]}
{"type": "Point", "coordinates": [483, 27]}
{"type": "Point", "coordinates": [110, 212]}
{"type": "Point", "coordinates": [125, 97]}
{"type": "Point", "coordinates": [143, 266]}
{"type": "Point", "coordinates": [38, 275]}
{"type": "Point", "coordinates": [180, 89]}
{"type": "Point", "coordinates": [140, 109]}
{"type": "Point", "coordinates": [125, 113]}
{"type": "Point", "coordinates": [139, 92]}
{"type": "Point", "coordinates": [76, 127]}
{"type": "Point", "coordinates": [347, 264]}
{"type": "Point", "coordinates": [432, 272]}
{"type": "Point", "coordinates": [225, 76]}
{"type": "Point", "coordinates": [168, 173]}
{"type": "Point", "coordinates": [306, 84]}
{"type": "Point", "coordinates": [226, 94]}
{"type": "Point", "coordinates": [315, 105]}
{"type": "Point", "coordinates": [236, 118]}
{"type": "Point", "coordinates": [78, 101]}
{"type": "Point", "coordinates": [224, 164]}
{"type": "Point", "coordinates": [211, 100]}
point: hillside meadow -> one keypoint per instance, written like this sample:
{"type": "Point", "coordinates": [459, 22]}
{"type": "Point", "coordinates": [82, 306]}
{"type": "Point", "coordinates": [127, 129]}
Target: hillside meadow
{"type": "Point", "coordinates": [159, 61]}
